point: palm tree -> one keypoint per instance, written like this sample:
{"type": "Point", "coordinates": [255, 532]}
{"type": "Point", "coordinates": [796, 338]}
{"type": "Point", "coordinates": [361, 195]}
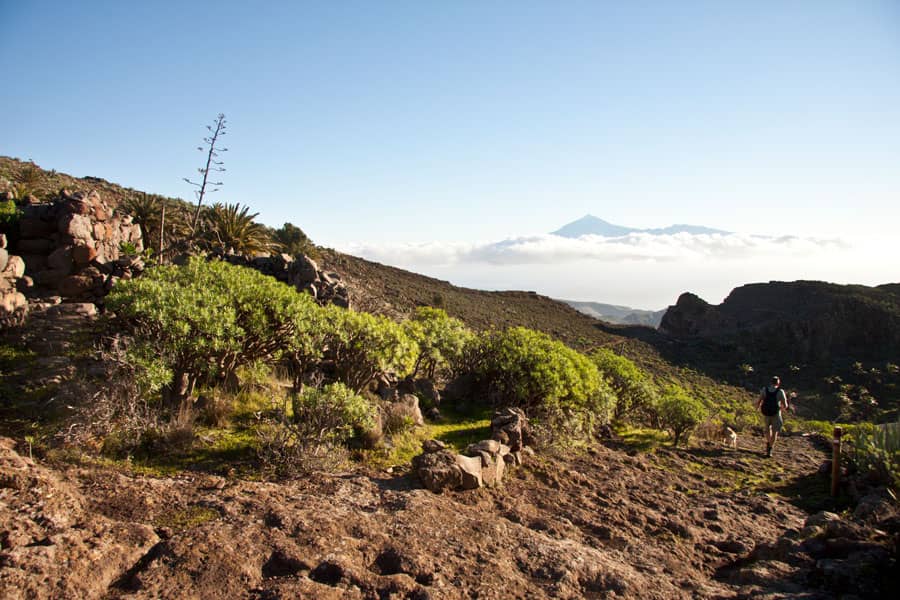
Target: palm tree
{"type": "Point", "coordinates": [231, 227]}
{"type": "Point", "coordinates": [147, 212]}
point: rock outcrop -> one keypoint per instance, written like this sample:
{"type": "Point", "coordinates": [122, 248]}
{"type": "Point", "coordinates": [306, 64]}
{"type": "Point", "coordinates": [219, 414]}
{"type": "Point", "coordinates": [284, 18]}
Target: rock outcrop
{"type": "Point", "coordinates": [51, 544]}
{"type": "Point", "coordinates": [801, 321]}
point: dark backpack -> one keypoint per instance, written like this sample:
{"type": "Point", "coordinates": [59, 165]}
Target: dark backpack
{"type": "Point", "coordinates": [770, 405]}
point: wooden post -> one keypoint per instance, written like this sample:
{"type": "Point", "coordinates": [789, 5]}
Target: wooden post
{"type": "Point", "coordinates": [836, 461]}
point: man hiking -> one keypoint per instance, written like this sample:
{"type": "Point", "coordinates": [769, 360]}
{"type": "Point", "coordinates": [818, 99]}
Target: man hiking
{"type": "Point", "coordinates": [772, 400]}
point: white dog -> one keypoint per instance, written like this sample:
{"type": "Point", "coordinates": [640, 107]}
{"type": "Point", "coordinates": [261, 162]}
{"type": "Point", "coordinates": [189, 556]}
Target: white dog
{"type": "Point", "coordinates": [729, 437]}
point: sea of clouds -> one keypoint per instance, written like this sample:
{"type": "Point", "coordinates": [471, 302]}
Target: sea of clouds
{"type": "Point", "coordinates": [641, 270]}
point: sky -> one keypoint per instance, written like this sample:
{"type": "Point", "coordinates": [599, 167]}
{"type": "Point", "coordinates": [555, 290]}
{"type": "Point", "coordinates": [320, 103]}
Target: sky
{"type": "Point", "coordinates": [430, 134]}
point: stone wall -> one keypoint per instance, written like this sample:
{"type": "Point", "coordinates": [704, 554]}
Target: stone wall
{"type": "Point", "coordinates": [13, 305]}
{"type": "Point", "coordinates": [302, 273]}
{"type": "Point", "coordinates": [73, 246]}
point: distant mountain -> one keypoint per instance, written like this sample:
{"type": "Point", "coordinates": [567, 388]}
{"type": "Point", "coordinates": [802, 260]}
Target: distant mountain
{"type": "Point", "coordinates": [591, 225]}
{"type": "Point", "coordinates": [620, 315]}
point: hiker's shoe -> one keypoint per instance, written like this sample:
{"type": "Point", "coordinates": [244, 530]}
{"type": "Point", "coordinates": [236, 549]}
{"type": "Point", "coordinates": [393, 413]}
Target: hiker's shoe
{"type": "Point", "coordinates": [768, 451]}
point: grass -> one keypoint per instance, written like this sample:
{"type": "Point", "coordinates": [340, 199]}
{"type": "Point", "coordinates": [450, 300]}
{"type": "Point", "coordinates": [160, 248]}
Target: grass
{"type": "Point", "coordinates": [186, 518]}
{"type": "Point", "coordinates": [642, 439]}
{"type": "Point", "coordinates": [457, 430]}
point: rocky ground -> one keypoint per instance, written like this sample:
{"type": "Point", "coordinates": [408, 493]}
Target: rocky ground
{"type": "Point", "coordinates": [609, 522]}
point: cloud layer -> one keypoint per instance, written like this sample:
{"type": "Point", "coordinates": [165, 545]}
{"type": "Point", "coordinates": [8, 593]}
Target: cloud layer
{"type": "Point", "coordinates": [552, 249]}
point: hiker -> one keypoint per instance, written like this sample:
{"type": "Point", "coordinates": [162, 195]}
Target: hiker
{"type": "Point", "coordinates": [772, 400]}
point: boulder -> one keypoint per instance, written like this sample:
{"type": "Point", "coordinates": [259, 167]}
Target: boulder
{"type": "Point", "coordinates": [410, 403]}
{"type": "Point", "coordinates": [438, 471]}
{"type": "Point", "coordinates": [489, 446]}
{"type": "Point", "coordinates": [15, 267]}
{"type": "Point", "coordinates": [61, 260]}
{"type": "Point", "coordinates": [76, 286]}
{"type": "Point", "coordinates": [429, 446]}
{"type": "Point", "coordinates": [76, 226]}
{"type": "Point", "coordinates": [35, 227]}
{"type": "Point", "coordinates": [470, 468]}
{"type": "Point", "coordinates": [428, 392]}
{"type": "Point", "coordinates": [50, 277]}
{"type": "Point", "coordinates": [83, 254]}
{"type": "Point", "coordinates": [510, 426]}
{"type": "Point", "coordinates": [303, 271]}
{"type": "Point", "coordinates": [492, 468]}
{"type": "Point", "coordinates": [4, 258]}
{"type": "Point", "coordinates": [35, 246]}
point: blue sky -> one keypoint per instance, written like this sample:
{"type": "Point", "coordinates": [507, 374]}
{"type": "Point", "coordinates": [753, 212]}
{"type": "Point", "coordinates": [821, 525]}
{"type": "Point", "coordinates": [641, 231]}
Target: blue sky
{"type": "Point", "coordinates": [423, 122]}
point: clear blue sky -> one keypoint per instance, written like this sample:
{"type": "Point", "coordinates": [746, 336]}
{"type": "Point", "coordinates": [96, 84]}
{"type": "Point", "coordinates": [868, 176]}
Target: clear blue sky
{"type": "Point", "coordinates": [462, 121]}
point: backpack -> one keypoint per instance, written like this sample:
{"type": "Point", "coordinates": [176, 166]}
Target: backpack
{"type": "Point", "coordinates": [770, 405]}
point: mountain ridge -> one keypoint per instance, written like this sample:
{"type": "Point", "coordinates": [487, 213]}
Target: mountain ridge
{"type": "Point", "coordinates": [591, 225]}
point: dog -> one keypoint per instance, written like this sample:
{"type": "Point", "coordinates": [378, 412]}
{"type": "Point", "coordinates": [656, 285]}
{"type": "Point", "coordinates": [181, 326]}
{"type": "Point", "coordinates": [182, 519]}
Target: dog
{"type": "Point", "coordinates": [729, 437]}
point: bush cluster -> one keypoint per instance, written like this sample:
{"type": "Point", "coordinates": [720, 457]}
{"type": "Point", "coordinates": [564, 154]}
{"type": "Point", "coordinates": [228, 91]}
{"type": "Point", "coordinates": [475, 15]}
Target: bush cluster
{"type": "Point", "coordinates": [197, 324]}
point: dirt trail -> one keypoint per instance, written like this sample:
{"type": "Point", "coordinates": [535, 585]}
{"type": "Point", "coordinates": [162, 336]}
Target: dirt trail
{"type": "Point", "coordinates": [701, 522]}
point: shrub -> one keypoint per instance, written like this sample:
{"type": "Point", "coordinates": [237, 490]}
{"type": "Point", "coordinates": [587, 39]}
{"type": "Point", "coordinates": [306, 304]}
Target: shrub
{"type": "Point", "coordinates": [365, 346]}
{"type": "Point", "coordinates": [204, 319]}
{"type": "Point", "coordinates": [525, 368]}
{"type": "Point", "coordinates": [679, 412]}
{"type": "Point", "coordinates": [440, 337]}
{"type": "Point", "coordinates": [9, 216]}
{"type": "Point", "coordinates": [876, 451]}
{"type": "Point", "coordinates": [632, 386]}
{"type": "Point", "coordinates": [292, 240]}
{"type": "Point", "coordinates": [323, 420]}
{"type": "Point", "coordinates": [330, 415]}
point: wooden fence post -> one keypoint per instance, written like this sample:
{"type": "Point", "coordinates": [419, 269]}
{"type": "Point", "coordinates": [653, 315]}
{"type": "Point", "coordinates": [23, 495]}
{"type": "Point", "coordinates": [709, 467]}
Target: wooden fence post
{"type": "Point", "coordinates": [836, 461]}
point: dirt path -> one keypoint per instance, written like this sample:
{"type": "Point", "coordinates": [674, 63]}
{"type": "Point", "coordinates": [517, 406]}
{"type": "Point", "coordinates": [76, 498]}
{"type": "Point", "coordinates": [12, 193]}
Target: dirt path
{"type": "Point", "coordinates": [704, 522]}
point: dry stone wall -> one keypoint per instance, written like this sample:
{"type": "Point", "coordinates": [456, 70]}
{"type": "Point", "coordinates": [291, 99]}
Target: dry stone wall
{"type": "Point", "coordinates": [73, 246]}
{"type": "Point", "coordinates": [13, 305]}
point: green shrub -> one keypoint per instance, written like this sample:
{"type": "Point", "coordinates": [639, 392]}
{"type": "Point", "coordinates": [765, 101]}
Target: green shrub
{"type": "Point", "coordinates": [293, 241]}
{"type": "Point", "coordinates": [876, 451]}
{"type": "Point", "coordinates": [529, 369]}
{"type": "Point", "coordinates": [441, 339]}
{"type": "Point", "coordinates": [330, 416]}
{"type": "Point", "coordinates": [204, 319]}
{"type": "Point", "coordinates": [679, 412]}
{"type": "Point", "coordinates": [364, 346]}
{"type": "Point", "coordinates": [9, 216]}
{"type": "Point", "coordinates": [634, 389]}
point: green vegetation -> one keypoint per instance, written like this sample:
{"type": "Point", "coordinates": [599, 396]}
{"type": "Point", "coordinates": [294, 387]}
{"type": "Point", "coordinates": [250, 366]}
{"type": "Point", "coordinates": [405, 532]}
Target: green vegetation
{"type": "Point", "coordinates": [205, 319]}
{"type": "Point", "coordinates": [554, 383]}
{"type": "Point", "coordinates": [442, 340]}
{"type": "Point", "coordinates": [9, 215]}
{"type": "Point", "coordinates": [876, 451]}
{"type": "Point", "coordinates": [364, 346]}
{"type": "Point", "coordinates": [293, 241]}
{"type": "Point", "coordinates": [231, 228]}
{"type": "Point", "coordinates": [679, 412]}
{"type": "Point", "coordinates": [633, 387]}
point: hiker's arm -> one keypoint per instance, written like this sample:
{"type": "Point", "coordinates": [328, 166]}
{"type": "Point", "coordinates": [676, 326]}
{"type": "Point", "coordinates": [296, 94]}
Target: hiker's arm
{"type": "Point", "coordinates": [784, 401]}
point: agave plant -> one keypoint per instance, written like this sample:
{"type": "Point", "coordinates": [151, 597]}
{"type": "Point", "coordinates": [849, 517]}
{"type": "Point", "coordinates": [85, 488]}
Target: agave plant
{"type": "Point", "coordinates": [232, 227]}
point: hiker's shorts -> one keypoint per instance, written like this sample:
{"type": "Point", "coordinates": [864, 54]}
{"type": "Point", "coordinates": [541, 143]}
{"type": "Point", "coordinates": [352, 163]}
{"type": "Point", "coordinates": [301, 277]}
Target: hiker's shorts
{"type": "Point", "coordinates": [775, 421]}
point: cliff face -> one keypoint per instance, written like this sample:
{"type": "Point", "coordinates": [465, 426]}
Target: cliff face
{"type": "Point", "coordinates": [800, 321]}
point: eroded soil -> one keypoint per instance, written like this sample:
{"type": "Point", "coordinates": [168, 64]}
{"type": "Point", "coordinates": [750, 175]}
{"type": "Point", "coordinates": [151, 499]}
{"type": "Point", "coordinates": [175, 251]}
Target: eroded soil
{"type": "Point", "coordinates": [610, 522]}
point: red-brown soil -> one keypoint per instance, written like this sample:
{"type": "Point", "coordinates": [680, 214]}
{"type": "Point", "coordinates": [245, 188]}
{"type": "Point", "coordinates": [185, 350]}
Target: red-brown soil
{"type": "Point", "coordinates": [607, 522]}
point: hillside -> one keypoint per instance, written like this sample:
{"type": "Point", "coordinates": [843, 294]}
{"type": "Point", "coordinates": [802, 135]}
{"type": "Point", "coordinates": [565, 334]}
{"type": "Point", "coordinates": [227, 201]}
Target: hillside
{"type": "Point", "coordinates": [103, 494]}
{"type": "Point", "coordinates": [843, 333]}
{"type": "Point", "coordinates": [620, 315]}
